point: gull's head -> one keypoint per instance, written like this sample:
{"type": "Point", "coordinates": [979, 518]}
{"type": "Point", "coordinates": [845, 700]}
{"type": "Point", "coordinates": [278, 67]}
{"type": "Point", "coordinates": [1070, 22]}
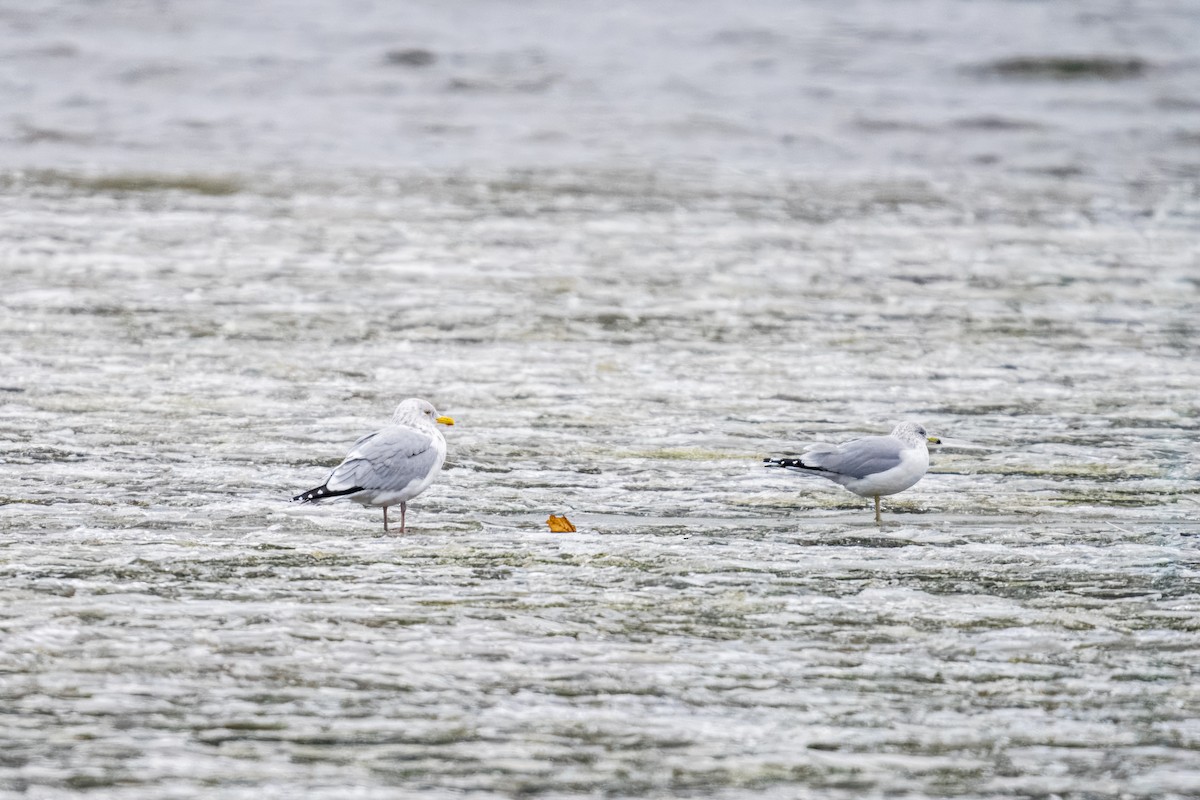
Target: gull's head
{"type": "Point", "coordinates": [912, 433]}
{"type": "Point", "coordinates": [414, 409]}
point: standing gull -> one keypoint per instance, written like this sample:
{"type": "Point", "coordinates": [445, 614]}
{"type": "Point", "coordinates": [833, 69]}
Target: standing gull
{"type": "Point", "coordinates": [392, 465]}
{"type": "Point", "coordinates": [872, 466]}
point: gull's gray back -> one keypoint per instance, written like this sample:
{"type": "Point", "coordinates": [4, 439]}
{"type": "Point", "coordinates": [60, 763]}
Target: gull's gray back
{"type": "Point", "coordinates": [858, 458]}
{"type": "Point", "coordinates": [389, 459]}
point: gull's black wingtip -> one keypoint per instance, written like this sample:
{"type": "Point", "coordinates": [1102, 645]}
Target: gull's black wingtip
{"type": "Point", "coordinates": [322, 493]}
{"type": "Point", "coordinates": [784, 462]}
{"type": "Point", "coordinates": [309, 496]}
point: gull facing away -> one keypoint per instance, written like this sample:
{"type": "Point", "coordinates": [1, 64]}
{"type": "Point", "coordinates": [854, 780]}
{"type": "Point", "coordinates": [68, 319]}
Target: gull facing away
{"type": "Point", "coordinates": [390, 466]}
{"type": "Point", "coordinates": [873, 466]}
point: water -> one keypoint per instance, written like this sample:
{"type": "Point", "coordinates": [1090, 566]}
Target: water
{"type": "Point", "coordinates": [632, 252]}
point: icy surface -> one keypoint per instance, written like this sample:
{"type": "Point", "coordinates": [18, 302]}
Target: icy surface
{"type": "Point", "coordinates": [626, 302]}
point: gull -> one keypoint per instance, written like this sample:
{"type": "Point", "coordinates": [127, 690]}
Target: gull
{"type": "Point", "coordinates": [392, 465]}
{"type": "Point", "coordinates": [873, 466]}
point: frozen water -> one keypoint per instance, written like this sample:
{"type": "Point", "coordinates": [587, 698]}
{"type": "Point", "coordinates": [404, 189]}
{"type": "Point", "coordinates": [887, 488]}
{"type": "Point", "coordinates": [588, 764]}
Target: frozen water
{"type": "Point", "coordinates": [631, 253]}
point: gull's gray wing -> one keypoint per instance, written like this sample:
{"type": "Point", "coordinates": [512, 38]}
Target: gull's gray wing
{"type": "Point", "coordinates": [388, 459]}
{"type": "Point", "coordinates": [857, 458]}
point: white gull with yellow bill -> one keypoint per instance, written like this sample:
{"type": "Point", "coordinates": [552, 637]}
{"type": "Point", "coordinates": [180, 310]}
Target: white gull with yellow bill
{"type": "Point", "coordinates": [873, 466]}
{"type": "Point", "coordinates": [390, 466]}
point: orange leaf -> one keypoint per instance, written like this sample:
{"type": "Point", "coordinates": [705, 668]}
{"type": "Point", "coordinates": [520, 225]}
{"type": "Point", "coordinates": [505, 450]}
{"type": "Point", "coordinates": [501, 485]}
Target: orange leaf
{"type": "Point", "coordinates": [560, 525]}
